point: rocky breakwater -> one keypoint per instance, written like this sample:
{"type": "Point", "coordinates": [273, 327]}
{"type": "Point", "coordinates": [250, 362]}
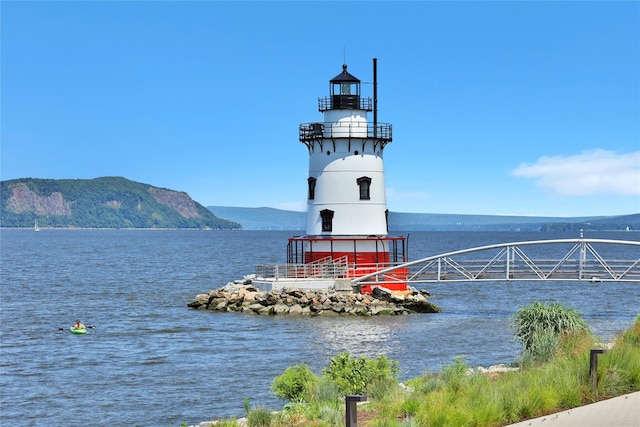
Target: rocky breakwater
{"type": "Point", "coordinates": [242, 296]}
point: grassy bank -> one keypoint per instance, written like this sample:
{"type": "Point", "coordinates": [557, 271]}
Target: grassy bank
{"type": "Point", "coordinates": [553, 376]}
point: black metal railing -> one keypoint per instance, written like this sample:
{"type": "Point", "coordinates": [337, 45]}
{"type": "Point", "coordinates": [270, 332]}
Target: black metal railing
{"type": "Point", "coordinates": [344, 102]}
{"type": "Point", "coordinates": [314, 131]}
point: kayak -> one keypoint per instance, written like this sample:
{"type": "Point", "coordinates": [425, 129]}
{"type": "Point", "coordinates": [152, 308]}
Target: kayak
{"type": "Point", "coordinates": [78, 330]}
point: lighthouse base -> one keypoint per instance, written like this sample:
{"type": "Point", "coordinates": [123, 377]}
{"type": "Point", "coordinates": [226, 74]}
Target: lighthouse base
{"type": "Point", "coordinates": [344, 258]}
{"type": "Point", "coordinates": [270, 284]}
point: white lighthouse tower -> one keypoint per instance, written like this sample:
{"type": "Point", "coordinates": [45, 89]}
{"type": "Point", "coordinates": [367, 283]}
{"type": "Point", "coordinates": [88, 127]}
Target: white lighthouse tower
{"type": "Point", "coordinates": [347, 216]}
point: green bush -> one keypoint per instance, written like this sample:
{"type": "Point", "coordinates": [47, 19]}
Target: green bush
{"type": "Point", "coordinates": [293, 383]}
{"type": "Point", "coordinates": [352, 375]}
{"type": "Point", "coordinates": [540, 326]}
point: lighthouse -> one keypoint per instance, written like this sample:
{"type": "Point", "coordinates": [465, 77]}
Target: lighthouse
{"type": "Point", "coordinates": [347, 215]}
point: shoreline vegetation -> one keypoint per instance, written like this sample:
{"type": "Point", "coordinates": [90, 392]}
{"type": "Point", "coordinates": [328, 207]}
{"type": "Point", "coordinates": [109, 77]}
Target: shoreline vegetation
{"type": "Point", "coordinates": [551, 375]}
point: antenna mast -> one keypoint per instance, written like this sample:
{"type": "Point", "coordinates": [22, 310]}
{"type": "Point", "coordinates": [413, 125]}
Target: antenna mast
{"type": "Point", "coordinates": [375, 97]}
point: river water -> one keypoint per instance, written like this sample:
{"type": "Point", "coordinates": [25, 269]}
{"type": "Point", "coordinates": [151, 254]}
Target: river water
{"type": "Point", "coordinates": [151, 361]}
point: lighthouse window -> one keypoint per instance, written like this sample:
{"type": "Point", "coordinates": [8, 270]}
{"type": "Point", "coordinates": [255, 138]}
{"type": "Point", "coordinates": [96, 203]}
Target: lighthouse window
{"type": "Point", "coordinates": [365, 186]}
{"type": "Point", "coordinates": [312, 187]}
{"type": "Point", "coordinates": [327, 219]}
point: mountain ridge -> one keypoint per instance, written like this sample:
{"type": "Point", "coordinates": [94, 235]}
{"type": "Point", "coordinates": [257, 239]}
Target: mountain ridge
{"type": "Point", "coordinates": [105, 202]}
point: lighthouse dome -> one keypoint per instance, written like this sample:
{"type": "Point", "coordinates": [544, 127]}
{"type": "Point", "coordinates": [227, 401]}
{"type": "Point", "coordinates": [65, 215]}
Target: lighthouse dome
{"type": "Point", "coordinates": [345, 90]}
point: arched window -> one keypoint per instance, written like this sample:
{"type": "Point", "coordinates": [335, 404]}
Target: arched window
{"type": "Point", "coordinates": [312, 187]}
{"type": "Point", "coordinates": [327, 219]}
{"type": "Point", "coordinates": [365, 187]}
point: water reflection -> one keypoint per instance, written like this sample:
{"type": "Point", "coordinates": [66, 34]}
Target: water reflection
{"type": "Point", "coordinates": [368, 337]}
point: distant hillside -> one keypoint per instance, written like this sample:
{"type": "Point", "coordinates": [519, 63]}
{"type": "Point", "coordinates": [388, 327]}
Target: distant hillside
{"type": "Point", "coordinates": [276, 219]}
{"type": "Point", "coordinates": [618, 223]}
{"type": "Point", "coordinates": [453, 222]}
{"type": "Point", "coordinates": [109, 202]}
{"type": "Point", "coordinates": [263, 218]}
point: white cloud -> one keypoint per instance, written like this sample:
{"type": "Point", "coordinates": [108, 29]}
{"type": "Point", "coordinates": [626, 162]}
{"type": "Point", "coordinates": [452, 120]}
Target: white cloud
{"type": "Point", "coordinates": [591, 172]}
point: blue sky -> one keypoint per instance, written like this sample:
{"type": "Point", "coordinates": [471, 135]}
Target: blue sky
{"type": "Point", "coordinates": [523, 108]}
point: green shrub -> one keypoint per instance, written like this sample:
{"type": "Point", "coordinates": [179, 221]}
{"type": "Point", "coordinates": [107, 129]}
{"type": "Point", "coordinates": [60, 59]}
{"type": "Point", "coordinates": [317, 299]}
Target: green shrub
{"type": "Point", "coordinates": [293, 382]}
{"type": "Point", "coordinates": [540, 326]}
{"type": "Point", "coordinates": [352, 375]}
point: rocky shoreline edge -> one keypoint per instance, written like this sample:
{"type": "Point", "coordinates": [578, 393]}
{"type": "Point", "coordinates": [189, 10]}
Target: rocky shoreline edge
{"type": "Point", "coordinates": [242, 296]}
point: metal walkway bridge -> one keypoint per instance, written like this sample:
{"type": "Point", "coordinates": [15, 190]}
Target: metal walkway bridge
{"type": "Point", "coordinates": [595, 260]}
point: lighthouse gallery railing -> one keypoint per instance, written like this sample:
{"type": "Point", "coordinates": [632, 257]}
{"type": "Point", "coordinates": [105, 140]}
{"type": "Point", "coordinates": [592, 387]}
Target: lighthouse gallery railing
{"type": "Point", "coordinates": [318, 130]}
{"type": "Point", "coordinates": [325, 268]}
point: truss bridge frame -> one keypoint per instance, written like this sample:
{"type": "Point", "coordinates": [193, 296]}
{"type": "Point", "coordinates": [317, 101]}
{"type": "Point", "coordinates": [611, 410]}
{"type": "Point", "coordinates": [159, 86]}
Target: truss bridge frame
{"type": "Point", "coordinates": [572, 260]}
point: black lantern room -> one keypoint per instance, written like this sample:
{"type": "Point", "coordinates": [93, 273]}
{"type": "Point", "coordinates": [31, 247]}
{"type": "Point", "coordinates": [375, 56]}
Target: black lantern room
{"type": "Point", "coordinates": [345, 91]}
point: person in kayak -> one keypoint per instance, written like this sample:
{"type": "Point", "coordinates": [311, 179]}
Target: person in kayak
{"type": "Point", "coordinates": [79, 325]}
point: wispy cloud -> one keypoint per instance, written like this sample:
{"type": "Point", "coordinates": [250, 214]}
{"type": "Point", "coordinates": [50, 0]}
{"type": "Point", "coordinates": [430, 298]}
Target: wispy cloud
{"type": "Point", "coordinates": [589, 173]}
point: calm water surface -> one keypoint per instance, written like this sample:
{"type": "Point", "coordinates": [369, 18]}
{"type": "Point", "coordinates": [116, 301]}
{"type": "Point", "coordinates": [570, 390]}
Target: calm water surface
{"type": "Point", "coordinates": [151, 361]}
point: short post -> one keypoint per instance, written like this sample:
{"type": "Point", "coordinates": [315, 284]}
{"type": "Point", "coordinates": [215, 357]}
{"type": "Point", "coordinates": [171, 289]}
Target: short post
{"type": "Point", "coordinates": [351, 402]}
{"type": "Point", "coordinates": [593, 367]}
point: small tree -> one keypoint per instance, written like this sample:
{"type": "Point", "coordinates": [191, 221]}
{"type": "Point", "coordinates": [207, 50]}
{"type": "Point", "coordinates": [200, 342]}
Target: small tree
{"type": "Point", "coordinates": [353, 375]}
{"type": "Point", "coordinates": [293, 382]}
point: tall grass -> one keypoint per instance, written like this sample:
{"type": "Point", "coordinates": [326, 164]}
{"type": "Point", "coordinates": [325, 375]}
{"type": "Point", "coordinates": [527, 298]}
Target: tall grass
{"type": "Point", "coordinates": [457, 396]}
{"type": "Point", "coordinates": [619, 368]}
{"type": "Point", "coordinates": [540, 326]}
{"type": "Point", "coordinates": [259, 417]}
{"type": "Point", "coordinates": [449, 398]}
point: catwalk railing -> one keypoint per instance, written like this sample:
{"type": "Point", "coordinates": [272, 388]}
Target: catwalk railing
{"type": "Point", "coordinates": [326, 268]}
{"type": "Point", "coordinates": [596, 260]}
